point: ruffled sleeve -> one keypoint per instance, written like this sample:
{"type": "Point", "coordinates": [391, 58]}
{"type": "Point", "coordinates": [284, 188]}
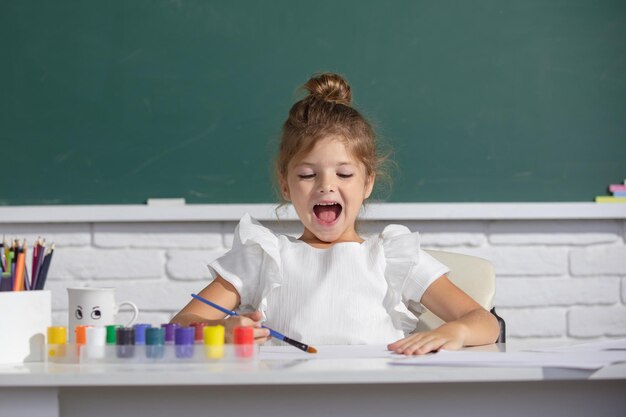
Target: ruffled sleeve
{"type": "Point", "coordinates": [253, 264]}
{"type": "Point", "coordinates": [409, 270]}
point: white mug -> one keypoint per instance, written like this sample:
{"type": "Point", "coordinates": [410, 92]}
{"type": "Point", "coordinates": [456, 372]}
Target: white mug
{"type": "Point", "coordinates": [94, 307]}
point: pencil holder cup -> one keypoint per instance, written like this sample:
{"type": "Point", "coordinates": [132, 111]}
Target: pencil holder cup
{"type": "Point", "coordinates": [24, 320]}
{"type": "Point", "coordinates": [95, 307]}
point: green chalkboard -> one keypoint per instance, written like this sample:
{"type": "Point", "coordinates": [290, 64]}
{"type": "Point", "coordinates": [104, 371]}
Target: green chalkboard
{"type": "Point", "coordinates": [118, 101]}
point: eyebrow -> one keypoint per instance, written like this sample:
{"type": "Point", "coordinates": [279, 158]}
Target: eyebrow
{"type": "Point", "coordinates": [312, 164]}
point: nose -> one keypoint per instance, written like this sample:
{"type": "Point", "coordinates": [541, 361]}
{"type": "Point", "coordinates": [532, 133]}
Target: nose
{"type": "Point", "coordinates": [327, 185]}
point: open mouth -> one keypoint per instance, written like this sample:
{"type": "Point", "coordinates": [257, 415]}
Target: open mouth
{"type": "Point", "coordinates": [327, 212]}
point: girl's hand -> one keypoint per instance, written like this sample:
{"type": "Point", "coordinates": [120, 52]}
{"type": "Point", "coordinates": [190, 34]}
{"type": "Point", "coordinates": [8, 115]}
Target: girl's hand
{"type": "Point", "coordinates": [450, 336]}
{"type": "Point", "coordinates": [261, 335]}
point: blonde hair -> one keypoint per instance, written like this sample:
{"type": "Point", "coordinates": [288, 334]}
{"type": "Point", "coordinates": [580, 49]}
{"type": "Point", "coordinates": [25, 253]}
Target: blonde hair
{"type": "Point", "coordinates": [327, 111]}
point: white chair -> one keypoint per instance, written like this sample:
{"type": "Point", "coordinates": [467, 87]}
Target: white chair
{"type": "Point", "coordinates": [476, 277]}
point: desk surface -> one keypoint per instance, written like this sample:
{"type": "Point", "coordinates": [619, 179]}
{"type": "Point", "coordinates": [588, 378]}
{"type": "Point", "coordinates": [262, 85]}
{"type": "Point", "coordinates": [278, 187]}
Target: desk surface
{"type": "Point", "coordinates": [341, 387]}
{"type": "Point", "coordinates": [292, 371]}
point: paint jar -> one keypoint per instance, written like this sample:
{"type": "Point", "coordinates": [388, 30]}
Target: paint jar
{"type": "Point", "coordinates": [155, 337]}
{"type": "Point", "coordinates": [125, 342]}
{"type": "Point", "coordinates": [80, 337]}
{"type": "Point", "coordinates": [111, 333]}
{"type": "Point", "coordinates": [96, 343]}
{"type": "Point", "coordinates": [170, 329]}
{"type": "Point", "coordinates": [199, 328]}
{"type": "Point", "coordinates": [184, 340]}
{"type": "Point", "coordinates": [57, 339]}
{"type": "Point", "coordinates": [214, 342]}
{"type": "Point", "coordinates": [140, 333]}
{"type": "Point", "coordinates": [244, 342]}
{"type": "Point", "coordinates": [80, 334]}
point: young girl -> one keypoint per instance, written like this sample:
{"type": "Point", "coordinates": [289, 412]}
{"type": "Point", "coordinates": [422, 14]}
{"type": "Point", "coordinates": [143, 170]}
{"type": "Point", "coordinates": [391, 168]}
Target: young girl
{"type": "Point", "coordinates": [331, 286]}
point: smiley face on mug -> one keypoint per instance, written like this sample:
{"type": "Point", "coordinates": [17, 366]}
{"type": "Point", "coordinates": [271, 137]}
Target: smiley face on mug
{"type": "Point", "coordinates": [95, 313]}
{"type": "Point", "coordinates": [95, 306]}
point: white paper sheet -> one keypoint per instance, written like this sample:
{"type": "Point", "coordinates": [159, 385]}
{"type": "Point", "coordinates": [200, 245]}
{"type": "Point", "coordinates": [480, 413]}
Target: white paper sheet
{"type": "Point", "coordinates": [604, 345]}
{"type": "Point", "coordinates": [327, 352]}
{"type": "Point", "coordinates": [573, 360]}
{"type": "Point", "coordinates": [588, 356]}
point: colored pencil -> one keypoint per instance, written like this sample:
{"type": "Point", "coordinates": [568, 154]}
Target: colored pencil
{"type": "Point", "coordinates": [274, 333]}
{"type": "Point", "coordinates": [5, 277]}
{"type": "Point", "coordinates": [43, 274]}
{"type": "Point", "coordinates": [2, 258]}
{"type": "Point", "coordinates": [18, 283]}
{"type": "Point", "coordinates": [41, 251]}
{"type": "Point", "coordinates": [11, 267]}
{"type": "Point", "coordinates": [7, 261]}
{"type": "Point", "coordinates": [36, 252]}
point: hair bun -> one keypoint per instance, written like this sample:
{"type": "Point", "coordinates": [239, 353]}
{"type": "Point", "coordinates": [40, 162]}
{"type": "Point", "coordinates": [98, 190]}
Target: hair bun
{"type": "Point", "coordinates": [330, 87]}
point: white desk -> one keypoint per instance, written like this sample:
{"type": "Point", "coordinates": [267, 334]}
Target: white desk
{"type": "Point", "coordinates": [318, 387]}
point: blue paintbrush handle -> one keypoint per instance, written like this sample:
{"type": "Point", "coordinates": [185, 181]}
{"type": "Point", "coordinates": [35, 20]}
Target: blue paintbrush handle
{"type": "Point", "coordinates": [274, 333]}
{"type": "Point", "coordinates": [216, 306]}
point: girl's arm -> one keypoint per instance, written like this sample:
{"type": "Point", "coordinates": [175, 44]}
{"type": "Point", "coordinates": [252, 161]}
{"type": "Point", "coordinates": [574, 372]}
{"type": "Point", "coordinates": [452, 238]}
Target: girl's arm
{"type": "Point", "coordinates": [223, 293]}
{"type": "Point", "coordinates": [467, 323]}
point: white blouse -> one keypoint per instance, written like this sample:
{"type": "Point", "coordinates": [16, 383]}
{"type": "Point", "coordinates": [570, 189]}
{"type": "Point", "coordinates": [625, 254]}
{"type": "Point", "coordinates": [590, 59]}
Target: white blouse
{"type": "Point", "coordinates": [350, 293]}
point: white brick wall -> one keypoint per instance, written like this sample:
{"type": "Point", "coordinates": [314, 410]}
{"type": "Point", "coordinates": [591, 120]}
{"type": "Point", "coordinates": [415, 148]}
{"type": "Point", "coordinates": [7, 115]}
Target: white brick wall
{"type": "Point", "coordinates": [556, 280]}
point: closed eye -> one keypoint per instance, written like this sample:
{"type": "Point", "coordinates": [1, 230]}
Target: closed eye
{"type": "Point", "coordinates": [309, 176]}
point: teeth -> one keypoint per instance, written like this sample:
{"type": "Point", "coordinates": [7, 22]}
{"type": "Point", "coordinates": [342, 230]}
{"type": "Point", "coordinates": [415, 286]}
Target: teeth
{"type": "Point", "coordinates": [326, 204]}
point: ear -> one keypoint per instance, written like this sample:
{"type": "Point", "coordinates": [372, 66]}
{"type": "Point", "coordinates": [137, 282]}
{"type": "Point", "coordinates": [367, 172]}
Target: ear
{"type": "Point", "coordinates": [369, 186]}
{"type": "Point", "coordinates": [284, 189]}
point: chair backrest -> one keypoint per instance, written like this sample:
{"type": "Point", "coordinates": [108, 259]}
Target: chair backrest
{"type": "Point", "coordinates": [475, 276]}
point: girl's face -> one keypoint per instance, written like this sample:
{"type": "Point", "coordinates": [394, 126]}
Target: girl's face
{"type": "Point", "coordinates": [327, 188]}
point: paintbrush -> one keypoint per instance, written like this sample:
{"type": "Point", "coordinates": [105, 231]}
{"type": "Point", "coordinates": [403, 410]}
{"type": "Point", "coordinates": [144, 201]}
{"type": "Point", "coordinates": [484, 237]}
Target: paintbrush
{"type": "Point", "coordinates": [274, 333]}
